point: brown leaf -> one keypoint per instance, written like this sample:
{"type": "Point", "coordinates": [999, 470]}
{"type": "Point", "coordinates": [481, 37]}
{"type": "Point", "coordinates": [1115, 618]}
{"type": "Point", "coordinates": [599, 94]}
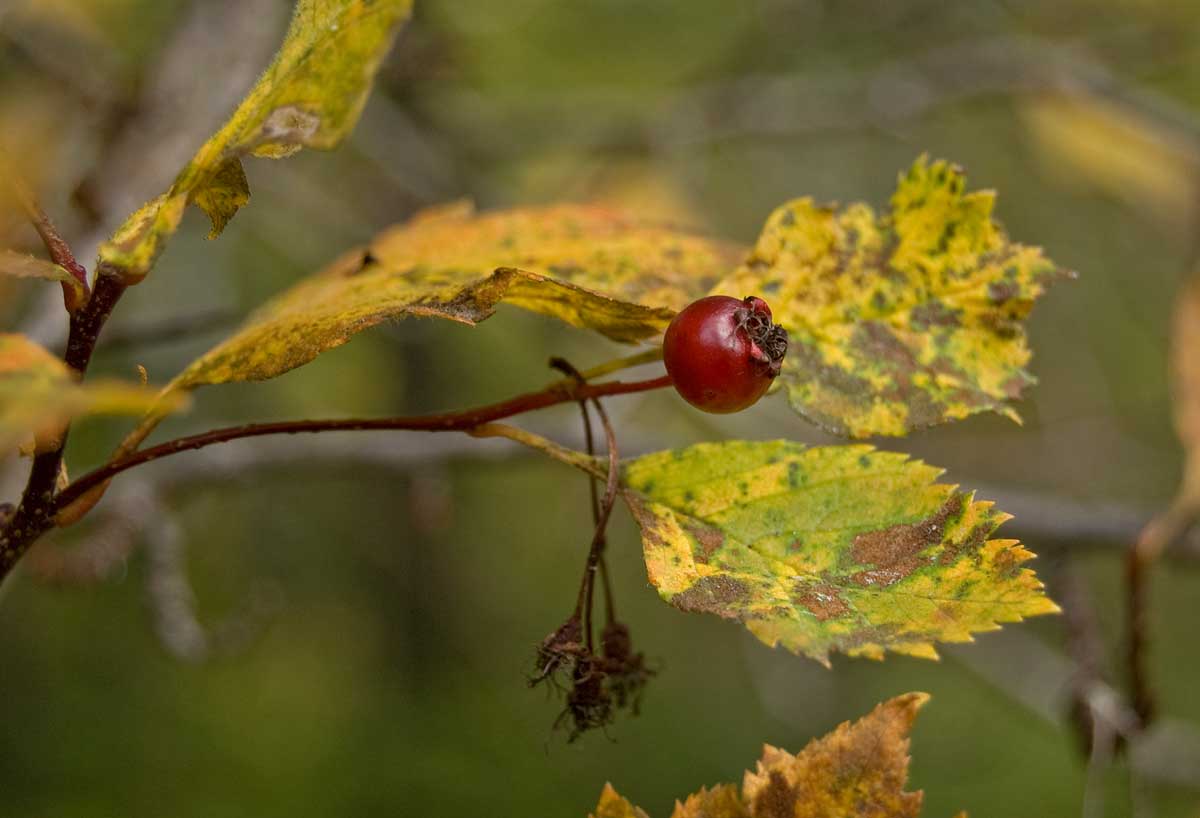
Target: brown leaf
{"type": "Point", "coordinates": [859, 769]}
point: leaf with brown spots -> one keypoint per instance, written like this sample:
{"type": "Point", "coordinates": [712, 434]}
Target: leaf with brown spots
{"type": "Point", "coordinates": [899, 320]}
{"type": "Point", "coordinates": [310, 96]}
{"type": "Point", "coordinates": [860, 769]}
{"type": "Point", "coordinates": [39, 395]}
{"type": "Point", "coordinates": [837, 548]}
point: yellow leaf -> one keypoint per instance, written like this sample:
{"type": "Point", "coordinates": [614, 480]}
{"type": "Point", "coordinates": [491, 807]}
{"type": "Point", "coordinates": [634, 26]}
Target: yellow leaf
{"type": "Point", "coordinates": [612, 805]}
{"type": "Point", "coordinates": [21, 265]}
{"type": "Point", "coordinates": [901, 320]}
{"type": "Point", "coordinates": [1117, 148]}
{"type": "Point", "coordinates": [837, 548]}
{"type": "Point", "coordinates": [859, 769]}
{"type": "Point", "coordinates": [584, 265]}
{"type": "Point", "coordinates": [39, 395]}
{"type": "Point", "coordinates": [721, 801]}
{"type": "Point", "coordinates": [310, 96]}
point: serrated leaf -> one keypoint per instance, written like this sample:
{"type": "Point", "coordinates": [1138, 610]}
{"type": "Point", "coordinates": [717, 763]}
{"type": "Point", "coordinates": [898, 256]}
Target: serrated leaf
{"type": "Point", "coordinates": [310, 96]}
{"type": "Point", "coordinates": [587, 266]}
{"type": "Point", "coordinates": [837, 548]}
{"type": "Point", "coordinates": [612, 805]}
{"type": "Point", "coordinates": [901, 320]}
{"type": "Point", "coordinates": [722, 801]}
{"type": "Point", "coordinates": [859, 769]}
{"type": "Point", "coordinates": [39, 395]}
{"type": "Point", "coordinates": [22, 265]}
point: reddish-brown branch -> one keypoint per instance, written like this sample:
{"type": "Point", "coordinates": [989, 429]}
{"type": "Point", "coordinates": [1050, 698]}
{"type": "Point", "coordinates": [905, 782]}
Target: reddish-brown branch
{"type": "Point", "coordinates": [35, 514]}
{"type": "Point", "coordinates": [56, 247]}
{"type": "Point", "coordinates": [465, 420]}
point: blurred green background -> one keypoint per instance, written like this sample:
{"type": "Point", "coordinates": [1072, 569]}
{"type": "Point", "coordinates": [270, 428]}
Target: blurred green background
{"type": "Point", "coordinates": [343, 626]}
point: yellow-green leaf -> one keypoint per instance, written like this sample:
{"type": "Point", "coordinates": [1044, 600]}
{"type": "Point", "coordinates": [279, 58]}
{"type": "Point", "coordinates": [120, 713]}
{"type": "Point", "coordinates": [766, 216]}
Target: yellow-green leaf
{"type": "Point", "coordinates": [310, 96]}
{"type": "Point", "coordinates": [585, 265]}
{"type": "Point", "coordinates": [39, 395]}
{"type": "Point", "coordinates": [22, 265]}
{"type": "Point", "coordinates": [900, 320]}
{"type": "Point", "coordinates": [859, 769]}
{"type": "Point", "coordinates": [837, 548]}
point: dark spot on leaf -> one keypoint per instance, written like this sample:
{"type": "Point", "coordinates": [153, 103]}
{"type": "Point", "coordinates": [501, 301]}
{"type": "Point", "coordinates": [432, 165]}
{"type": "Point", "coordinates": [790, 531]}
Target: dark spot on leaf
{"type": "Point", "coordinates": [794, 477]}
{"type": "Point", "coordinates": [820, 598]}
{"type": "Point", "coordinates": [715, 595]}
{"type": "Point", "coordinates": [1002, 291]}
{"type": "Point", "coordinates": [777, 800]}
{"type": "Point", "coordinates": [709, 539]}
{"type": "Point", "coordinates": [895, 551]}
{"type": "Point", "coordinates": [646, 521]}
{"type": "Point", "coordinates": [935, 314]}
{"type": "Point", "coordinates": [969, 546]}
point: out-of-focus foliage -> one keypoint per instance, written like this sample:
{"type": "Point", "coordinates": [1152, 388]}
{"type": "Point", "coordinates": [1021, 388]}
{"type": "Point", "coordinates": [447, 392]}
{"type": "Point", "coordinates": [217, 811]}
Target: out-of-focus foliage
{"type": "Point", "coordinates": [859, 769]}
{"type": "Point", "coordinates": [1185, 380]}
{"type": "Point", "coordinates": [1116, 149]}
{"type": "Point", "coordinates": [23, 265]}
{"type": "Point", "coordinates": [39, 395]}
{"type": "Point", "coordinates": [899, 321]}
{"type": "Point", "coordinates": [310, 96]}
{"type": "Point", "coordinates": [835, 548]}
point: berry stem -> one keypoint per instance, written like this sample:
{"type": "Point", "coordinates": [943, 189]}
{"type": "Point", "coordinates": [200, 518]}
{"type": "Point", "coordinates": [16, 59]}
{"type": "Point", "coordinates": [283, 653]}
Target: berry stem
{"type": "Point", "coordinates": [648, 356]}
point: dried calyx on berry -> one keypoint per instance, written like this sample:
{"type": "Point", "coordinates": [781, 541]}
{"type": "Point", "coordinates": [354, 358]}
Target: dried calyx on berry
{"type": "Point", "coordinates": [722, 353]}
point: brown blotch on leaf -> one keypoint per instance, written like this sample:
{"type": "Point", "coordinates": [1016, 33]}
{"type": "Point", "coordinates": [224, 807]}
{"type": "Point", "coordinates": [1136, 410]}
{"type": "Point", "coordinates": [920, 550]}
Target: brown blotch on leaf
{"type": "Point", "coordinates": [970, 546]}
{"type": "Point", "coordinates": [716, 595]}
{"type": "Point", "coordinates": [777, 800]}
{"type": "Point", "coordinates": [709, 539]}
{"type": "Point", "coordinates": [821, 599]}
{"type": "Point", "coordinates": [897, 548]}
{"type": "Point", "coordinates": [1001, 291]}
{"type": "Point", "coordinates": [646, 521]}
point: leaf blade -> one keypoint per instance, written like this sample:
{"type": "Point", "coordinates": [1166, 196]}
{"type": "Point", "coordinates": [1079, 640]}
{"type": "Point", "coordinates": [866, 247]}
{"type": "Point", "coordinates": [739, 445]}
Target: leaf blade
{"type": "Point", "coordinates": [860, 768]}
{"type": "Point", "coordinates": [23, 265]}
{"type": "Point", "coordinates": [901, 320]}
{"type": "Point", "coordinates": [452, 264]}
{"type": "Point", "coordinates": [310, 96]}
{"type": "Point", "coordinates": [842, 548]}
{"type": "Point", "coordinates": [39, 395]}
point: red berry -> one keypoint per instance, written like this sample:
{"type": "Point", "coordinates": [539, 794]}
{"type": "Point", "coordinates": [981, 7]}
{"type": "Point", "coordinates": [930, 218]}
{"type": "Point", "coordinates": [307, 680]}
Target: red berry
{"type": "Point", "coordinates": [722, 353]}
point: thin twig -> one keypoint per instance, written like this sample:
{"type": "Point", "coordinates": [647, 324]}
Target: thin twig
{"type": "Point", "coordinates": [56, 246]}
{"type": "Point", "coordinates": [1137, 592]}
{"type": "Point", "coordinates": [35, 514]}
{"type": "Point", "coordinates": [463, 421]}
{"type": "Point", "coordinates": [606, 507]}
